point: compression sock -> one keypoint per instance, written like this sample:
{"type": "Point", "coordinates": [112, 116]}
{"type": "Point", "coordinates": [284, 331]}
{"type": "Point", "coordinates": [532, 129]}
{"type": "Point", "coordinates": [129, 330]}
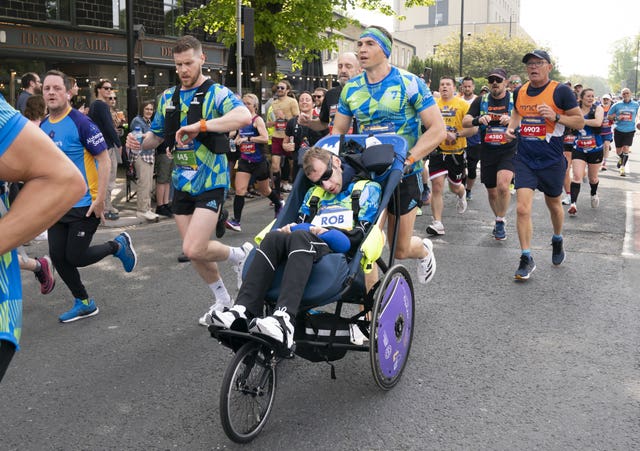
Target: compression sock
{"type": "Point", "coordinates": [273, 197]}
{"type": "Point", "coordinates": [575, 191]}
{"type": "Point", "coordinates": [238, 205]}
{"type": "Point", "coordinates": [594, 188]}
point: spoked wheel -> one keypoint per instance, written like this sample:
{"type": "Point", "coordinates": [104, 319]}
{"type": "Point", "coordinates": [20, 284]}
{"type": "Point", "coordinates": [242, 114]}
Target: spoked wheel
{"type": "Point", "coordinates": [391, 327]}
{"type": "Point", "coordinates": [247, 392]}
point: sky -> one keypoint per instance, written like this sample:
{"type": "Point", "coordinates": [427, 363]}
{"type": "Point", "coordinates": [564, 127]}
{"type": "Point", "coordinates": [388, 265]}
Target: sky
{"type": "Point", "coordinates": [580, 34]}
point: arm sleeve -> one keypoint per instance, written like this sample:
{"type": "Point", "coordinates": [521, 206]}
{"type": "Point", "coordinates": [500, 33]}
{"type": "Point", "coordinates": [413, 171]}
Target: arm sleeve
{"type": "Point", "coordinates": [474, 109]}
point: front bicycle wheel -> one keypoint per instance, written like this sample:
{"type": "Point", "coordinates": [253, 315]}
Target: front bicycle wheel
{"type": "Point", "coordinates": [248, 391]}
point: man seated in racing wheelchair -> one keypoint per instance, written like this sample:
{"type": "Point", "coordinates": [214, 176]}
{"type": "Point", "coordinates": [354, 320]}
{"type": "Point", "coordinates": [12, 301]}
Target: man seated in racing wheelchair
{"type": "Point", "coordinates": [299, 245]}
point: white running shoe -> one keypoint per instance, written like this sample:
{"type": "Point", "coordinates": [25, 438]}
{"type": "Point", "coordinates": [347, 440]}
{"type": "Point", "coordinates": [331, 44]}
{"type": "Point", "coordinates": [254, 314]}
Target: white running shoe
{"type": "Point", "coordinates": [226, 316]}
{"type": "Point", "coordinates": [461, 204]}
{"type": "Point", "coordinates": [238, 267]}
{"type": "Point", "coordinates": [356, 335]}
{"type": "Point", "coordinates": [427, 265]}
{"type": "Point", "coordinates": [278, 326]}
{"type": "Point", "coordinates": [435, 228]}
{"type": "Point", "coordinates": [573, 210]}
{"type": "Point", "coordinates": [595, 201]}
{"type": "Point", "coordinates": [566, 200]}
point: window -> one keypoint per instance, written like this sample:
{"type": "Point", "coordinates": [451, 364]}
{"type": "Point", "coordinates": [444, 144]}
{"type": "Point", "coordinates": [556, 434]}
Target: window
{"type": "Point", "coordinates": [172, 9]}
{"type": "Point", "coordinates": [119, 14]}
{"type": "Point", "coordinates": [58, 10]}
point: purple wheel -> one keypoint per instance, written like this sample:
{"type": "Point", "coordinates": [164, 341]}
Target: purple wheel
{"type": "Point", "coordinates": [391, 327]}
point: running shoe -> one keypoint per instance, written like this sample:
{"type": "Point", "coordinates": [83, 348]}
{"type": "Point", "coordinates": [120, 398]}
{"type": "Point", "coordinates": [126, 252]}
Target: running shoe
{"type": "Point", "coordinates": [233, 225]}
{"type": "Point", "coordinates": [512, 188]}
{"type": "Point", "coordinates": [278, 207]}
{"type": "Point", "coordinates": [566, 200]}
{"type": "Point", "coordinates": [461, 204]}
{"type": "Point", "coordinates": [426, 196]}
{"type": "Point", "coordinates": [126, 253]}
{"type": "Point", "coordinates": [45, 275]}
{"type": "Point", "coordinates": [619, 163]}
{"type": "Point", "coordinates": [111, 216]}
{"type": "Point", "coordinates": [557, 255]}
{"type": "Point", "coordinates": [603, 168]}
{"type": "Point", "coordinates": [435, 228]}
{"type": "Point", "coordinates": [595, 201]}
{"type": "Point", "coordinates": [224, 316]}
{"type": "Point", "coordinates": [222, 223]}
{"type": "Point", "coordinates": [499, 231]}
{"type": "Point", "coordinates": [469, 196]}
{"type": "Point", "coordinates": [278, 326]}
{"type": "Point", "coordinates": [82, 308]}
{"type": "Point", "coordinates": [527, 266]}
{"type": "Point", "coordinates": [573, 210]}
{"type": "Point", "coordinates": [427, 265]}
{"type": "Point", "coordinates": [622, 172]}
{"type": "Point", "coordinates": [238, 267]}
{"type": "Point", "coordinates": [418, 211]}
{"type": "Point", "coordinates": [182, 258]}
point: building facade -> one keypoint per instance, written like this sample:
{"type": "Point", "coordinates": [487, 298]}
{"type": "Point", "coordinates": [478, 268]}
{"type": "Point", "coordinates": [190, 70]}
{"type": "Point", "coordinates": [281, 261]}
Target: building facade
{"type": "Point", "coordinates": [429, 26]}
{"type": "Point", "coordinates": [86, 39]}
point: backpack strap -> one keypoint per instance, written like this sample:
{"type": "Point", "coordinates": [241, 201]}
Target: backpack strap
{"type": "Point", "coordinates": [215, 142]}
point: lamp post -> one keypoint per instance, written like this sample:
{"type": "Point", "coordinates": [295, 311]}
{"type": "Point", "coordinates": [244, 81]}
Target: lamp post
{"type": "Point", "coordinates": [461, 33]}
{"type": "Point", "coordinates": [635, 92]}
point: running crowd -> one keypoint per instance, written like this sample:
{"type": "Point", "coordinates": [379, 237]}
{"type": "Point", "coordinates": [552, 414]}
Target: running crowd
{"type": "Point", "coordinates": [208, 145]}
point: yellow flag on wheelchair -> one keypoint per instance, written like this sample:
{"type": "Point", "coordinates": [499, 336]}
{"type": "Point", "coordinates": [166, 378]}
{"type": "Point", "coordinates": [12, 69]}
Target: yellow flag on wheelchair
{"type": "Point", "coordinates": [260, 236]}
{"type": "Point", "coordinates": [372, 248]}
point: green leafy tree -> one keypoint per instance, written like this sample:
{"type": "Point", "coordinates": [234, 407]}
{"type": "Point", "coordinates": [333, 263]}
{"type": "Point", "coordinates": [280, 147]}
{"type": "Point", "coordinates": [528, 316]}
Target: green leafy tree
{"type": "Point", "coordinates": [623, 69]}
{"type": "Point", "coordinates": [297, 28]}
{"type": "Point", "coordinates": [438, 69]}
{"type": "Point", "coordinates": [483, 52]}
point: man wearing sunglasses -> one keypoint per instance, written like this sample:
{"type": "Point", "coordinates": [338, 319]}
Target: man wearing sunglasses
{"type": "Point", "coordinates": [542, 109]}
{"type": "Point", "coordinates": [100, 114]}
{"type": "Point", "coordinates": [298, 245]}
{"type": "Point", "coordinates": [491, 112]}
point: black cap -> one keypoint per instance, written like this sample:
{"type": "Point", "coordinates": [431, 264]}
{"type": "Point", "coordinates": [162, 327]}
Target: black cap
{"type": "Point", "coordinates": [538, 54]}
{"type": "Point", "coordinates": [498, 72]}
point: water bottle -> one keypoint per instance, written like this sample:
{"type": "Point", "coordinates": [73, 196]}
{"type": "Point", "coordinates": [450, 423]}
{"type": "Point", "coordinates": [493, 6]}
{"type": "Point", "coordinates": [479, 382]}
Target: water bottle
{"type": "Point", "coordinates": [232, 145]}
{"type": "Point", "coordinates": [137, 133]}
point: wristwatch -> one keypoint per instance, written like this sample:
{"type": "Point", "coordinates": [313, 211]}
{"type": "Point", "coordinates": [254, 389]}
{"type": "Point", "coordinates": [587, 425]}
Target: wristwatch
{"type": "Point", "coordinates": [557, 117]}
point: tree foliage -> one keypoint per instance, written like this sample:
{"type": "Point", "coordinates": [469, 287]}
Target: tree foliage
{"type": "Point", "coordinates": [297, 28]}
{"type": "Point", "coordinates": [483, 52]}
{"type": "Point", "coordinates": [439, 68]}
{"type": "Point", "coordinates": [623, 69]}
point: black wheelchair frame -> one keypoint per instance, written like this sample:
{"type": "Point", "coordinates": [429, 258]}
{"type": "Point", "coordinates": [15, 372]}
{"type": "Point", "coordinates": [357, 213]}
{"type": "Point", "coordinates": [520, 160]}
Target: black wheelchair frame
{"type": "Point", "coordinates": [386, 319]}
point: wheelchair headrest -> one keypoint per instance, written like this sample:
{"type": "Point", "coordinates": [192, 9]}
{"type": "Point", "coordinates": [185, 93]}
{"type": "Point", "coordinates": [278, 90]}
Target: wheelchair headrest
{"type": "Point", "coordinates": [374, 160]}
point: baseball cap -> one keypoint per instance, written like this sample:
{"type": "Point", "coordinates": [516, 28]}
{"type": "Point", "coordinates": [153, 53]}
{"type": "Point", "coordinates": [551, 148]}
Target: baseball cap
{"type": "Point", "coordinates": [498, 72]}
{"type": "Point", "coordinates": [538, 54]}
{"type": "Point", "coordinates": [606, 96]}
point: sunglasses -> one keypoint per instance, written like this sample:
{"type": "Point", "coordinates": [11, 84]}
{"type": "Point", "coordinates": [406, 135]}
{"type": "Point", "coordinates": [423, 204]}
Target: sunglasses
{"type": "Point", "coordinates": [495, 80]}
{"type": "Point", "coordinates": [112, 98]}
{"type": "Point", "coordinates": [281, 88]}
{"type": "Point", "coordinates": [327, 174]}
{"type": "Point", "coordinates": [515, 82]}
{"type": "Point", "coordinates": [317, 96]}
{"type": "Point", "coordinates": [108, 88]}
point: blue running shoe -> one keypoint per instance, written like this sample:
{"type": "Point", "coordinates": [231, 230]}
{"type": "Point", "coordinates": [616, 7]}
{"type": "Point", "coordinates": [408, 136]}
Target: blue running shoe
{"type": "Point", "coordinates": [499, 231]}
{"type": "Point", "coordinates": [82, 308]}
{"type": "Point", "coordinates": [527, 266]}
{"type": "Point", "coordinates": [126, 253]}
{"type": "Point", "coordinates": [557, 255]}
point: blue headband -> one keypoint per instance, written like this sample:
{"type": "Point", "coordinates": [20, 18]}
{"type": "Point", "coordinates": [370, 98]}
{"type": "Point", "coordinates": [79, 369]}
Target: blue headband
{"type": "Point", "coordinates": [380, 38]}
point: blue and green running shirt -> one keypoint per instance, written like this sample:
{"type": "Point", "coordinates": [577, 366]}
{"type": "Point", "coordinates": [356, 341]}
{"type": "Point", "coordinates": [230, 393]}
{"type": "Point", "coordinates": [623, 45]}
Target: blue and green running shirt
{"type": "Point", "coordinates": [11, 124]}
{"type": "Point", "coordinates": [80, 139]}
{"type": "Point", "coordinates": [211, 172]}
{"type": "Point", "coordinates": [392, 105]}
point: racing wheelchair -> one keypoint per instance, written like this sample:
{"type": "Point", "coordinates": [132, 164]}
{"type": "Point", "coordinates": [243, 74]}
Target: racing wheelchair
{"type": "Point", "coordinates": [385, 317]}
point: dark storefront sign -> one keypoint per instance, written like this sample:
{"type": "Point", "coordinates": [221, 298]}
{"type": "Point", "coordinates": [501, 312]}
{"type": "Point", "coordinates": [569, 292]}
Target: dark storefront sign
{"type": "Point", "coordinates": [44, 43]}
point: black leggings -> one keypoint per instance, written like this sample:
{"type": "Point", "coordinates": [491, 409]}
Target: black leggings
{"type": "Point", "coordinates": [297, 251]}
{"type": "Point", "coordinates": [7, 350]}
{"type": "Point", "coordinates": [69, 241]}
